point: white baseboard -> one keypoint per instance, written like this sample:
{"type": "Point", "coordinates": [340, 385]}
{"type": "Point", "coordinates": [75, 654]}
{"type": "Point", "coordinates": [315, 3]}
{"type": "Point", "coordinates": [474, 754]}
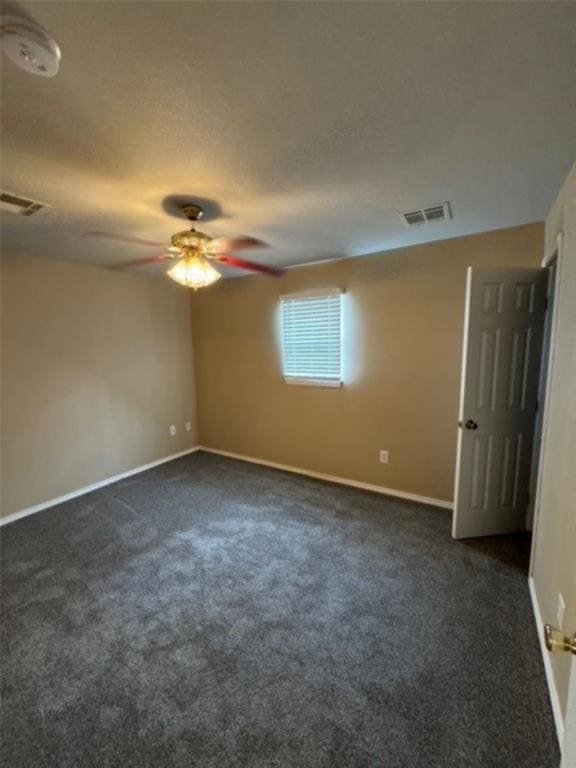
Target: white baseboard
{"type": "Point", "coordinates": [94, 487]}
{"type": "Point", "coordinates": [297, 470]}
{"type": "Point", "coordinates": [552, 690]}
{"type": "Point", "coordinates": [333, 478]}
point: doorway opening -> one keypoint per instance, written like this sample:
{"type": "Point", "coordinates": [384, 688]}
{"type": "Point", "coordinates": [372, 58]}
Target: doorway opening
{"type": "Point", "coordinates": [551, 268]}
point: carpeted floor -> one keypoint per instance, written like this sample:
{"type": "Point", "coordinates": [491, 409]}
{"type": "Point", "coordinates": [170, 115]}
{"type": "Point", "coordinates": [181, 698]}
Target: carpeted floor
{"type": "Point", "coordinates": [212, 613]}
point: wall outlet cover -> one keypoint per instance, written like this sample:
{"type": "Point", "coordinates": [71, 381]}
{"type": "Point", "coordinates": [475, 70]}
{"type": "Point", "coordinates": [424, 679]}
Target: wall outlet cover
{"type": "Point", "coordinates": [383, 457]}
{"type": "Point", "coordinates": [188, 426]}
{"type": "Point", "coordinates": [172, 430]}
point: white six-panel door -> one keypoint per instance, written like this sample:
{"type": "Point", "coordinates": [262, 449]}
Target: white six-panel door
{"type": "Point", "coordinates": [503, 326]}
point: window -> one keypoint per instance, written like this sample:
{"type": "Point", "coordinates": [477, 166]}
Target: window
{"type": "Point", "coordinates": [312, 338]}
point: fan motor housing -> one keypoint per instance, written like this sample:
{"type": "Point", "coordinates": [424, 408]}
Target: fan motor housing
{"type": "Point", "coordinates": [190, 239]}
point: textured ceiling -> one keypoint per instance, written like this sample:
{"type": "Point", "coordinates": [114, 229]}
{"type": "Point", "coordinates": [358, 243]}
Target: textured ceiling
{"type": "Point", "coordinates": [311, 124]}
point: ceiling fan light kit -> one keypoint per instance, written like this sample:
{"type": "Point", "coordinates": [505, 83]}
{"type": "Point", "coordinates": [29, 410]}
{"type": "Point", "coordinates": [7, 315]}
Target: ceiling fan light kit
{"type": "Point", "coordinates": [194, 271]}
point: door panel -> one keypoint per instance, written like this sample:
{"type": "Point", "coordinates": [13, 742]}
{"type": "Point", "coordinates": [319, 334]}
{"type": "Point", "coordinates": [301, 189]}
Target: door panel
{"type": "Point", "coordinates": [499, 389]}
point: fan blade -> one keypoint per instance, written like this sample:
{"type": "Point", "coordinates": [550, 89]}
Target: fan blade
{"type": "Point", "coordinates": [144, 262]}
{"type": "Point", "coordinates": [123, 239]}
{"type": "Point", "coordinates": [229, 244]}
{"type": "Point", "coordinates": [232, 261]}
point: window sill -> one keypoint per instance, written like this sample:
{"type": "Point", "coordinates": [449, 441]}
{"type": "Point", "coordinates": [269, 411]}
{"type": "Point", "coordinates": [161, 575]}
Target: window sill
{"type": "Point", "coordinates": [330, 383]}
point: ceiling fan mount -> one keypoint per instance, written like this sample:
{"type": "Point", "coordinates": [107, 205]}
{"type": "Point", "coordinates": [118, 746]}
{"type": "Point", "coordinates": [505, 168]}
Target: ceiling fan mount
{"type": "Point", "coordinates": [192, 211]}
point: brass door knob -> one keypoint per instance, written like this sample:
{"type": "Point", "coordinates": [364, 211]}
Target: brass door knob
{"type": "Point", "coordinates": [556, 640]}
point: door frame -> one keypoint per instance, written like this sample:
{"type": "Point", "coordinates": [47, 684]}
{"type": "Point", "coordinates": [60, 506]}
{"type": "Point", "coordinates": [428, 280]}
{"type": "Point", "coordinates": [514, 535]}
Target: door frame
{"type": "Point", "coordinates": [556, 254]}
{"type": "Point", "coordinates": [569, 744]}
{"type": "Point", "coordinates": [545, 361]}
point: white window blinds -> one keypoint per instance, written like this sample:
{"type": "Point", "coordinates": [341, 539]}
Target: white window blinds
{"type": "Point", "coordinates": [312, 338]}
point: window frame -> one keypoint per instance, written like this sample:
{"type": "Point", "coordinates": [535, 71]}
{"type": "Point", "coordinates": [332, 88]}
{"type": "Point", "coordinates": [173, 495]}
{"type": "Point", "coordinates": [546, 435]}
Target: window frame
{"type": "Point", "coordinates": [313, 381]}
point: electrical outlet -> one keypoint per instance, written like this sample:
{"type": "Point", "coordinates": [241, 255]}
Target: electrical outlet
{"type": "Point", "coordinates": [560, 608]}
{"type": "Point", "coordinates": [172, 430]}
{"type": "Point", "coordinates": [383, 457]}
{"type": "Point", "coordinates": [188, 426]}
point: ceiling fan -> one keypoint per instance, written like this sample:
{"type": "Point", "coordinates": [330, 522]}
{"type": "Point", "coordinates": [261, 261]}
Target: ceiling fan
{"type": "Point", "coordinates": [193, 252]}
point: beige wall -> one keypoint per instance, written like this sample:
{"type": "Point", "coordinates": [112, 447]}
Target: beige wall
{"type": "Point", "coordinates": [403, 329]}
{"type": "Point", "coordinates": [554, 552]}
{"type": "Point", "coordinates": [95, 367]}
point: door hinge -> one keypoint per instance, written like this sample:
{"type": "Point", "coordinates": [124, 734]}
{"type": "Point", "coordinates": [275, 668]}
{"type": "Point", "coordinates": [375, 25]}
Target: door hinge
{"type": "Point", "coordinates": [546, 303]}
{"type": "Point", "coordinates": [537, 406]}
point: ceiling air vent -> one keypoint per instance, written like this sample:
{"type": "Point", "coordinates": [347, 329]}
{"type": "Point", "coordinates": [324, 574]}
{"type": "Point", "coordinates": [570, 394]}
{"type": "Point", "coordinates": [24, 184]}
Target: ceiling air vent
{"type": "Point", "coordinates": [17, 204]}
{"type": "Point", "coordinates": [440, 212]}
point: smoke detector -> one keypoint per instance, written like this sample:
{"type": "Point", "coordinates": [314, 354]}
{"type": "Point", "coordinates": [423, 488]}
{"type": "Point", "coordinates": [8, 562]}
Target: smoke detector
{"type": "Point", "coordinates": [29, 46]}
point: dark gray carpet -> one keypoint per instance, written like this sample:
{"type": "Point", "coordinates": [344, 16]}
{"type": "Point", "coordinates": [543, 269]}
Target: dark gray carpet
{"type": "Point", "coordinates": [212, 613]}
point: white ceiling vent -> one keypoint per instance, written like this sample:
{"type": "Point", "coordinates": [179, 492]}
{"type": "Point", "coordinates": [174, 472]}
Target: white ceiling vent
{"type": "Point", "coordinates": [17, 204]}
{"type": "Point", "coordinates": [439, 212]}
